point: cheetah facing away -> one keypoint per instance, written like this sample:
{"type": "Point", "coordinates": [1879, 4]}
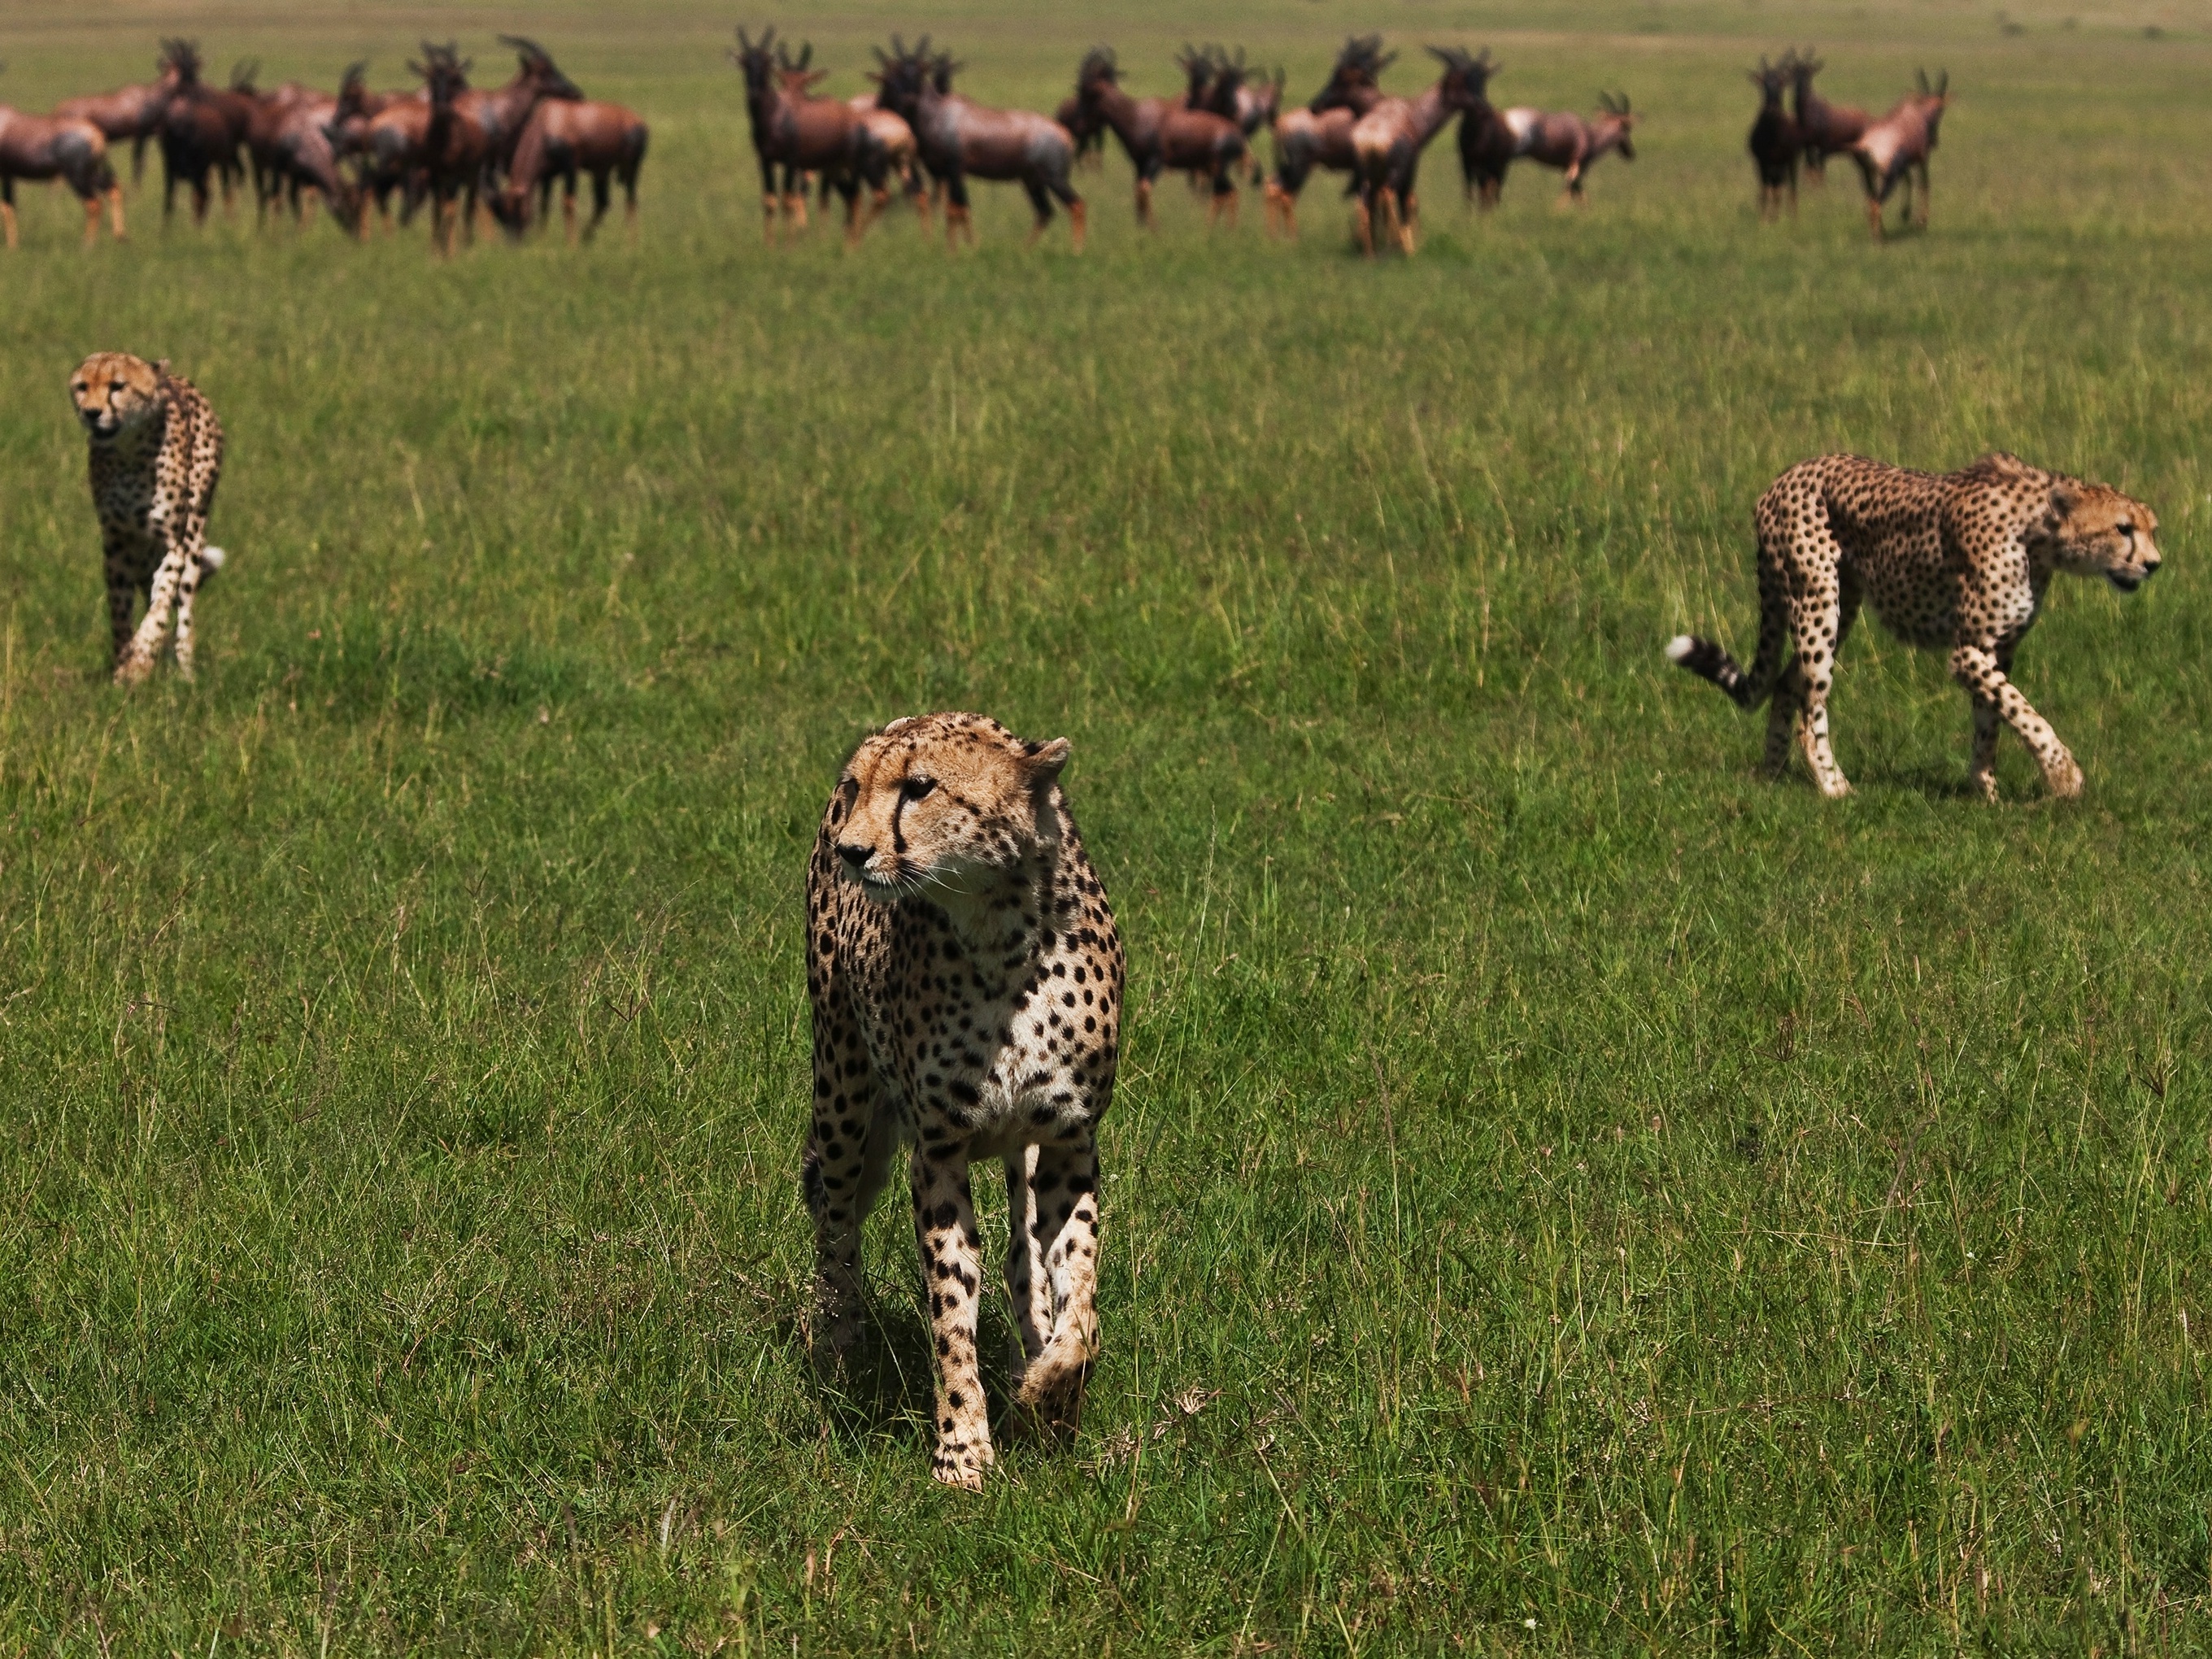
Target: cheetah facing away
{"type": "Point", "coordinates": [965, 980]}
{"type": "Point", "coordinates": [1958, 560]}
{"type": "Point", "coordinates": [156, 454]}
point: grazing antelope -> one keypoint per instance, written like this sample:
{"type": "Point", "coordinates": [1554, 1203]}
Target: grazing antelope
{"type": "Point", "coordinates": [201, 131]}
{"type": "Point", "coordinates": [1776, 142]}
{"type": "Point", "coordinates": [803, 134]}
{"type": "Point", "coordinates": [1571, 143]}
{"type": "Point", "coordinates": [1319, 134]}
{"type": "Point", "coordinates": [1893, 150]}
{"type": "Point", "coordinates": [1825, 129]}
{"type": "Point", "coordinates": [134, 113]}
{"type": "Point", "coordinates": [473, 135]}
{"type": "Point", "coordinates": [566, 136]}
{"type": "Point", "coordinates": [39, 147]}
{"type": "Point", "coordinates": [959, 140]}
{"type": "Point", "coordinates": [1159, 133]}
{"type": "Point", "coordinates": [1387, 141]}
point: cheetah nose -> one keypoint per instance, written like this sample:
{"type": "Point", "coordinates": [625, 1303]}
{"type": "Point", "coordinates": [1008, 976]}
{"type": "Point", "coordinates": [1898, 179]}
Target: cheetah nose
{"type": "Point", "coordinates": [855, 857]}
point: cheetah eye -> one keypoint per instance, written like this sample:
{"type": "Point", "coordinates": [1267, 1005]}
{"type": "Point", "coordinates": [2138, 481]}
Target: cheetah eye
{"type": "Point", "coordinates": [2126, 529]}
{"type": "Point", "coordinates": [915, 788]}
{"type": "Point", "coordinates": [115, 386]}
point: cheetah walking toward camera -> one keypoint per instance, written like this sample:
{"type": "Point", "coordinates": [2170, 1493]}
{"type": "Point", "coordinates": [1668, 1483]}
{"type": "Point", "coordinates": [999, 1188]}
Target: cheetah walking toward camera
{"type": "Point", "coordinates": [156, 455]}
{"type": "Point", "coordinates": [1958, 560]}
{"type": "Point", "coordinates": [965, 980]}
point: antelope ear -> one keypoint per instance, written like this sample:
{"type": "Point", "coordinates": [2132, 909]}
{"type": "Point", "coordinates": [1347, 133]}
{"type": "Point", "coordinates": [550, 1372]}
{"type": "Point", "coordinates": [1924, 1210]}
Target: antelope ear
{"type": "Point", "coordinates": [1044, 760]}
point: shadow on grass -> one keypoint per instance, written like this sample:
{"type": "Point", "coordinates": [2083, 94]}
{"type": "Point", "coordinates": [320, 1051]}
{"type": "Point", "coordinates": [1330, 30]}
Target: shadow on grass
{"type": "Point", "coordinates": [886, 1389]}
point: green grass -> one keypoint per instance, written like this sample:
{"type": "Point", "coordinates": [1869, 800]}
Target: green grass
{"type": "Point", "coordinates": [1565, 1192]}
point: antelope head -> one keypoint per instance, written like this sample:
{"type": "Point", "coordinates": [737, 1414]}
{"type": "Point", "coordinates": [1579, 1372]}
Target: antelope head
{"type": "Point", "coordinates": [1621, 122]}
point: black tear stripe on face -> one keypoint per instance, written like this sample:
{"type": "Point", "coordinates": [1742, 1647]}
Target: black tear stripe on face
{"type": "Point", "coordinates": [898, 835]}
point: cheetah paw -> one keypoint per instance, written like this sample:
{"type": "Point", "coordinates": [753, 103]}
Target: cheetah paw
{"type": "Point", "coordinates": [961, 1467]}
{"type": "Point", "coordinates": [2064, 775]}
{"type": "Point", "coordinates": [1052, 1395]}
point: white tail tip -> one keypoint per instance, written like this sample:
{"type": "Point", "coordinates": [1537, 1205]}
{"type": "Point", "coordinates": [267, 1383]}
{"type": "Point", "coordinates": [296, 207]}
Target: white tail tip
{"type": "Point", "coordinates": [1678, 648]}
{"type": "Point", "coordinates": [211, 558]}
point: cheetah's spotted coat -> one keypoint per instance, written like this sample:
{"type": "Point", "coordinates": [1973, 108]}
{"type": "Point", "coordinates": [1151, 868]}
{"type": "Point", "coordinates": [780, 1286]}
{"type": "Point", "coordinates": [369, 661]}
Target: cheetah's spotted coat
{"type": "Point", "coordinates": [965, 979]}
{"type": "Point", "coordinates": [156, 455]}
{"type": "Point", "coordinates": [1958, 560]}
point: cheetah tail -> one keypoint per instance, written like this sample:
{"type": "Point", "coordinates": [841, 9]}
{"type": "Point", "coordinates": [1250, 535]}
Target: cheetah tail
{"type": "Point", "coordinates": [211, 560]}
{"type": "Point", "coordinates": [1708, 660]}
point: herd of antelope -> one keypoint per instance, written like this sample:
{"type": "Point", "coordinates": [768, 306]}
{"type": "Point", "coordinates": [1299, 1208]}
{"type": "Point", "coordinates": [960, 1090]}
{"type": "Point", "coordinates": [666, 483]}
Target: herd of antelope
{"type": "Point", "coordinates": [1808, 130]}
{"type": "Point", "coordinates": [443, 141]}
{"type": "Point", "coordinates": [916, 132]}
{"type": "Point", "coordinates": [500, 151]}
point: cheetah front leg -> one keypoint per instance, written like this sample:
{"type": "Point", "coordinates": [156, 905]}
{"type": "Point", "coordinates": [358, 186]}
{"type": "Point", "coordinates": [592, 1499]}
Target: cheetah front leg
{"type": "Point", "coordinates": [137, 660]}
{"type": "Point", "coordinates": [951, 1268]}
{"type": "Point", "coordinates": [122, 598]}
{"type": "Point", "coordinates": [1065, 1193]}
{"type": "Point", "coordinates": [1982, 671]}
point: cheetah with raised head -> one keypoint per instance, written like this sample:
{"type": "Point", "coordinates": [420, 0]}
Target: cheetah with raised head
{"type": "Point", "coordinates": [1958, 560]}
{"type": "Point", "coordinates": [156, 455]}
{"type": "Point", "coordinates": [965, 980]}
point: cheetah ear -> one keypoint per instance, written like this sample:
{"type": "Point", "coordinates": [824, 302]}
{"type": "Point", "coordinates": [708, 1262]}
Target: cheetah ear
{"type": "Point", "coordinates": [2066, 496]}
{"type": "Point", "coordinates": [1044, 760]}
{"type": "Point", "coordinates": [161, 369]}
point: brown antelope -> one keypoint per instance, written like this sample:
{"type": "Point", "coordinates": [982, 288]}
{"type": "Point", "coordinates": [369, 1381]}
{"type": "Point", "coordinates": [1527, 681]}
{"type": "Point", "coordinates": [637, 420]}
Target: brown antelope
{"type": "Point", "coordinates": [1220, 82]}
{"type": "Point", "coordinates": [1255, 108]}
{"type": "Point", "coordinates": [565, 137]}
{"type": "Point", "coordinates": [1571, 143]}
{"type": "Point", "coordinates": [803, 134]}
{"type": "Point", "coordinates": [1895, 149]}
{"type": "Point", "coordinates": [1089, 136]}
{"type": "Point", "coordinates": [474, 137]}
{"type": "Point", "coordinates": [959, 140]}
{"type": "Point", "coordinates": [272, 147]}
{"type": "Point", "coordinates": [385, 133]}
{"type": "Point", "coordinates": [1387, 141]}
{"type": "Point", "coordinates": [1159, 133]}
{"type": "Point", "coordinates": [134, 113]}
{"type": "Point", "coordinates": [201, 131]}
{"type": "Point", "coordinates": [39, 147]}
{"type": "Point", "coordinates": [901, 160]}
{"type": "Point", "coordinates": [1825, 129]}
{"type": "Point", "coordinates": [1486, 144]}
{"type": "Point", "coordinates": [1776, 142]}
{"type": "Point", "coordinates": [1319, 134]}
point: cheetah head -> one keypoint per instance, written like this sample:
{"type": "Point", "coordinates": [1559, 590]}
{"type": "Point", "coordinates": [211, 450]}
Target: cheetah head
{"type": "Point", "coordinates": [2094, 531]}
{"type": "Point", "coordinates": [944, 803]}
{"type": "Point", "coordinates": [115, 392]}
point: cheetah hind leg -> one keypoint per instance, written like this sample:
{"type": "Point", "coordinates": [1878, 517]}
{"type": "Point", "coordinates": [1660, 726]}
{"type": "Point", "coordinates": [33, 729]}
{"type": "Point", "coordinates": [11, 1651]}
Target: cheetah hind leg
{"type": "Point", "coordinates": [1782, 714]}
{"type": "Point", "coordinates": [1028, 1283]}
{"type": "Point", "coordinates": [1065, 1189]}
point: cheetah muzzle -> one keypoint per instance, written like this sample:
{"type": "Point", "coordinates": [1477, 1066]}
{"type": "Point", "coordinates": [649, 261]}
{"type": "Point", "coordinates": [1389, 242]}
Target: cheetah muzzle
{"type": "Point", "coordinates": [964, 976]}
{"type": "Point", "coordinates": [1958, 560]}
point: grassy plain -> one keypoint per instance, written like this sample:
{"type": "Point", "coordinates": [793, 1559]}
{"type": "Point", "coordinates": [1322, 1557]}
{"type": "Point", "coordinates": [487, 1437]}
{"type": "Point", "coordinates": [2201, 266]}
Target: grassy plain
{"type": "Point", "coordinates": [1566, 1192]}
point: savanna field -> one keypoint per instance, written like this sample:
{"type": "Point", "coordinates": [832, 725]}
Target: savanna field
{"type": "Point", "coordinates": [1565, 1192]}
